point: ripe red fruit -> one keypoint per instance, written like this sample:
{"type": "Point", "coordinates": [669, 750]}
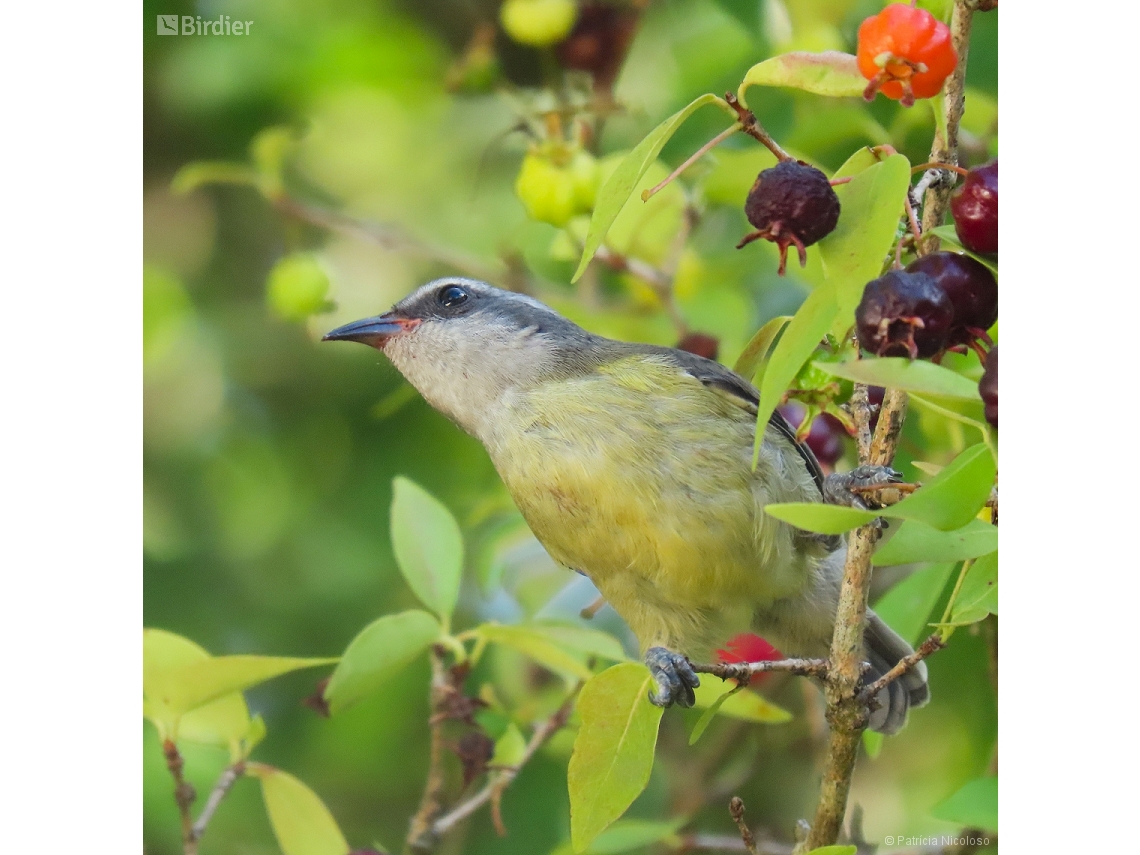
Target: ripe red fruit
{"type": "Point", "coordinates": [903, 314]}
{"type": "Point", "coordinates": [975, 209]}
{"type": "Point", "coordinates": [747, 647]}
{"type": "Point", "coordinates": [906, 53]}
{"type": "Point", "coordinates": [988, 387]}
{"type": "Point", "coordinates": [791, 203]}
{"type": "Point", "coordinates": [701, 344]}
{"type": "Point", "coordinates": [972, 290]}
{"type": "Point", "coordinates": [827, 434]}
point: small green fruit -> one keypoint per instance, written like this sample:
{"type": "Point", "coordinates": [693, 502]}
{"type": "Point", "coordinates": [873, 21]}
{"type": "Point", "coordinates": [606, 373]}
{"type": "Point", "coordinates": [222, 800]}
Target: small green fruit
{"type": "Point", "coordinates": [298, 287]}
{"type": "Point", "coordinates": [538, 23]}
{"type": "Point", "coordinates": [546, 190]}
{"type": "Point", "coordinates": [585, 175]}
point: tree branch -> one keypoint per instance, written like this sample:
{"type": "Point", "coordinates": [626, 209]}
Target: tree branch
{"type": "Point", "coordinates": [184, 796]}
{"type": "Point", "coordinates": [907, 663]}
{"type": "Point", "coordinates": [500, 781]}
{"type": "Point", "coordinates": [225, 781]}
{"type": "Point", "coordinates": [743, 671]}
{"type": "Point", "coordinates": [420, 837]}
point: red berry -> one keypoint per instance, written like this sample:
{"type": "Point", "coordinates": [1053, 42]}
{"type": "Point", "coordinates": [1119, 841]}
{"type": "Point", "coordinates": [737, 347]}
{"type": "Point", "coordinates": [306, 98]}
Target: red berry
{"type": "Point", "coordinates": [903, 314]}
{"type": "Point", "coordinates": [971, 287]}
{"type": "Point", "coordinates": [791, 203]}
{"type": "Point", "coordinates": [701, 344]}
{"type": "Point", "coordinates": [988, 387]}
{"type": "Point", "coordinates": [748, 647]}
{"type": "Point", "coordinates": [975, 209]}
{"type": "Point", "coordinates": [906, 53]}
{"type": "Point", "coordinates": [827, 434]}
{"type": "Point", "coordinates": [599, 41]}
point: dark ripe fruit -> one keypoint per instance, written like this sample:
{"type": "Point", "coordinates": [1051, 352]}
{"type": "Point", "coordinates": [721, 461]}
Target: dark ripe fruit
{"type": "Point", "coordinates": [972, 290]}
{"type": "Point", "coordinates": [791, 203]}
{"type": "Point", "coordinates": [975, 209]}
{"type": "Point", "coordinates": [599, 41]}
{"type": "Point", "coordinates": [904, 314]}
{"type": "Point", "coordinates": [825, 438]}
{"type": "Point", "coordinates": [988, 387]}
{"type": "Point", "coordinates": [701, 344]}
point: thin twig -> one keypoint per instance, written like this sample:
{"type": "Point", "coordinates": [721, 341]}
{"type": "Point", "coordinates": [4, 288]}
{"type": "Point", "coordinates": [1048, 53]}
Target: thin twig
{"type": "Point", "coordinates": [495, 787]}
{"type": "Point", "coordinates": [184, 795]}
{"type": "Point", "coordinates": [420, 837]}
{"type": "Point", "coordinates": [225, 781]}
{"type": "Point", "coordinates": [745, 670]}
{"type": "Point", "coordinates": [736, 811]}
{"type": "Point", "coordinates": [752, 127]}
{"type": "Point", "coordinates": [689, 161]}
{"type": "Point", "coordinates": [907, 663]}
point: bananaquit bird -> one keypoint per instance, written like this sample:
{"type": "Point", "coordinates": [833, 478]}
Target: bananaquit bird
{"type": "Point", "coordinates": [632, 464]}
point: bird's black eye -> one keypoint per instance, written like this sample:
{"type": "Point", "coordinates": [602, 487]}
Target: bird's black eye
{"type": "Point", "coordinates": [452, 296]}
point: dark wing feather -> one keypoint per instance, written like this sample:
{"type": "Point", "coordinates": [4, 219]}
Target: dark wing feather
{"type": "Point", "coordinates": [716, 375]}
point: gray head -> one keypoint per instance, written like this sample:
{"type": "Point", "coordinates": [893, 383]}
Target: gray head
{"type": "Point", "coordinates": [463, 344]}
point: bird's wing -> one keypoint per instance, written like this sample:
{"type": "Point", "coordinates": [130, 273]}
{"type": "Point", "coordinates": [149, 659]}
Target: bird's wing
{"type": "Point", "coordinates": [716, 376]}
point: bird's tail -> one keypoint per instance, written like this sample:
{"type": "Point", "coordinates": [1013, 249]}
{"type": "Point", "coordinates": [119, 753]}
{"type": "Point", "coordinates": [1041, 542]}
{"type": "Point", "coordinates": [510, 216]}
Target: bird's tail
{"type": "Point", "coordinates": [884, 648]}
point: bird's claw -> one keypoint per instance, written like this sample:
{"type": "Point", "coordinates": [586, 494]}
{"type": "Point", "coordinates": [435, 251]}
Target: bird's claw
{"type": "Point", "coordinates": [674, 676]}
{"type": "Point", "coordinates": [842, 488]}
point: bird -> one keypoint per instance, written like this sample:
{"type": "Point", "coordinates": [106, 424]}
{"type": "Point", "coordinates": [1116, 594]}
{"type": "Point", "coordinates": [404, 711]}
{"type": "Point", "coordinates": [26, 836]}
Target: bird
{"type": "Point", "coordinates": [632, 464]}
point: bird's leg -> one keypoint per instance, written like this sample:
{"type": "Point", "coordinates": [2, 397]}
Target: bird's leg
{"type": "Point", "coordinates": [674, 676]}
{"type": "Point", "coordinates": [842, 488]}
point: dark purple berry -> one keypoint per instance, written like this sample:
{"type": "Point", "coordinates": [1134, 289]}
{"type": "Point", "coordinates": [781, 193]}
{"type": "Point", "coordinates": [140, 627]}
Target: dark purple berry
{"type": "Point", "coordinates": [599, 41]}
{"type": "Point", "coordinates": [791, 203]}
{"type": "Point", "coordinates": [988, 387]}
{"type": "Point", "coordinates": [904, 314]}
{"type": "Point", "coordinates": [826, 436]}
{"type": "Point", "coordinates": [975, 209]}
{"type": "Point", "coordinates": [971, 287]}
{"type": "Point", "coordinates": [701, 344]}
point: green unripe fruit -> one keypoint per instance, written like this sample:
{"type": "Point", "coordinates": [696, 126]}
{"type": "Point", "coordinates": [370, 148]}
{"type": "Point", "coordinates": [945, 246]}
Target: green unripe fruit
{"type": "Point", "coordinates": [298, 287]}
{"type": "Point", "coordinates": [546, 190]}
{"type": "Point", "coordinates": [585, 175]}
{"type": "Point", "coordinates": [538, 23]}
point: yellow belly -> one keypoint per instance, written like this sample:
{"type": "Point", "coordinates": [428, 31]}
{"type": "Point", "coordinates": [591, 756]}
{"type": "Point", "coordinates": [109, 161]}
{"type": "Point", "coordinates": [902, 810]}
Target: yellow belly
{"type": "Point", "coordinates": [643, 482]}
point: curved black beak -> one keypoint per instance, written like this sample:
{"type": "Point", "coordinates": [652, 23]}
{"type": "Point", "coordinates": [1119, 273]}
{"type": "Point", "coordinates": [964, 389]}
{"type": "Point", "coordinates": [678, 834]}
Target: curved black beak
{"type": "Point", "coordinates": [374, 332]}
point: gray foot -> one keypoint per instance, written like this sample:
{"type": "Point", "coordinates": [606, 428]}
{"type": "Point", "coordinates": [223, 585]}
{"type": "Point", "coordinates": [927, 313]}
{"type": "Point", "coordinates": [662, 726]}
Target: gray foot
{"type": "Point", "coordinates": [674, 676]}
{"type": "Point", "coordinates": [838, 487]}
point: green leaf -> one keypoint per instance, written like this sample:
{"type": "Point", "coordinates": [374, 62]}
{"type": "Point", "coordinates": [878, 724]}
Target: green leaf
{"type": "Point", "coordinates": [834, 850]}
{"type": "Point", "coordinates": [978, 595]}
{"type": "Point", "coordinates": [821, 518]}
{"type": "Point", "coordinates": [537, 645]}
{"type": "Point", "coordinates": [917, 541]}
{"type": "Point", "coordinates": [199, 683]}
{"type": "Point", "coordinates": [164, 652]}
{"type": "Point", "coordinates": [712, 709]}
{"type": "Point", "coordinates": [300, 820]}
{"type": "Point", "coordinates": [906, 607]}
{"type": "Point", "coordinates": [950, 236]}
{"type": "Point", "coordinates": [613, 751]}
{"type": "Point", "coordinates": [975, 805]}
{"type": "Point", "coordinates": [756, 351]}
{"type": "Point", "coordinates": [804, 332]}
{"type": "Point", "coordinates": [581, 639]}
{"type": "Point", "coordinates": [898, 372]}
{"type": "Point", "coordinates": [746, 706]}
{"type": "Point", "coordinates": [428, 546]}
{"type": "Point", "coordinates": [380, 651]}
{"type": "Point", "coordinates": [224, 722]}
{"type": "Point", "coordinates": [828, 73]}
{"type": "Point", "coordinates": [872, 743]}
{"type": "Point", "coordinates": [509, 748]}
{"type": "Point", "coordinates": [626, 835]}
{"type": "Point", "coordinates": [955, 495]}
{"type": "Point", "coordinates": [614, 194]}
{"type": "Point", "coordinates": [194, 175]}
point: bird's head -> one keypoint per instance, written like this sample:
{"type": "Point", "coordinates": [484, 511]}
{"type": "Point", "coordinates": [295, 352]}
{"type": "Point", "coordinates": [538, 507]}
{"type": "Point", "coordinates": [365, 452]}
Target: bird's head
{"type": "Point", "coordinates": [463, 344]}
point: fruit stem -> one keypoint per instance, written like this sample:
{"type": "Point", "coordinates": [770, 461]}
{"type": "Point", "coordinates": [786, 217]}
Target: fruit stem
{"type": "Point", "coordinates": [934, 164]}
{"type": "Point", "coordinates": [752, 127]}
{"type": "Point", "coordinates": [646, 195]}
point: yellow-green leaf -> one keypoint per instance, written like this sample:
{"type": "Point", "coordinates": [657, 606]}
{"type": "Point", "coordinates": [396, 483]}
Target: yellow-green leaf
{"type": "Point", "coordinates": [300, 820]}
{"type": "Point", "coordinates": [613, 751]}
{"type": "Point", "coordinates": [898, 372]}
{"type": "Point", "coordinates": [955, 495]}
{"type": "Point", "coordinates": [756, 351]}
{"type": "Point", "coordinates": [224, 722]}
{"type": "Point", "coordinates": [917, 541]}
{"type": "Point", "coordinates": [625, 835]}
{"type": "Point", "coordinates": [906, 608]}
{"type": "Point", "coordinates": [617, 189]}
{"type": "Point", "coordinates": [710, 711]}
{"type": "Point", "coordinates": [818, 517]}
{"type": "Point", "coordinates": [581, 639]}
{"type": "Point", "coordinates": [978, 595]}
{"type": "Point", "coordinates": [830, 73]}
{"type": "Point", "coordinates": [538, 646]}
{"type": "Point", "coordinates": [975, 805]}
{"type": "Point", "coordinates": [379, 651]}
{"type": "Point", "coordinates": [201, 172]}
{"type": "Point", "coordinates": [747, 706]}
{"type": "Point", "coordinates": [834, 850]}
{"type": "Point", "coordinates": [509, 748]}
{"type": "Point", "coordinates": [428, 546]}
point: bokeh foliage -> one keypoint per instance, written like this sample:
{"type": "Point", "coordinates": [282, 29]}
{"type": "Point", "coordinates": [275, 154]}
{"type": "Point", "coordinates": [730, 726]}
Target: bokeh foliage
{"type": "Point", "coordinates": [269, 459]}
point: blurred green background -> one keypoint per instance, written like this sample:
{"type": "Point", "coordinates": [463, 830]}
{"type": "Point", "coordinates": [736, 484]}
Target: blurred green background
{"type": "Point", "coordinates": [269, 457]}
